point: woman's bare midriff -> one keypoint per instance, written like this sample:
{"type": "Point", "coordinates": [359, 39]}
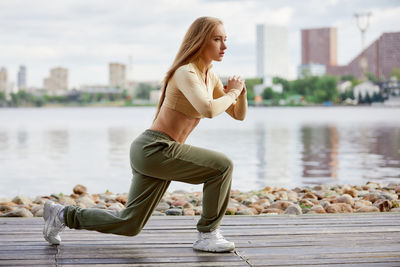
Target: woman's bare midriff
{"type": "Point", "coordinates": [174, 123]}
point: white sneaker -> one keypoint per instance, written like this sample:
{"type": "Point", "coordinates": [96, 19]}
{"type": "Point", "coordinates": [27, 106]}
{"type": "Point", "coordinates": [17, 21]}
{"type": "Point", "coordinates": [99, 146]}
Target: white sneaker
{"type": "Point", "coordinates": [52, 223]}
{"type": "Point", "coordinates": [213, 242]}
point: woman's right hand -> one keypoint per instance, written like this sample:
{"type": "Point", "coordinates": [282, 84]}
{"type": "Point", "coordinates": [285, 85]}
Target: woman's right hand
{"type": "Point", "coordinates": [235, 82]}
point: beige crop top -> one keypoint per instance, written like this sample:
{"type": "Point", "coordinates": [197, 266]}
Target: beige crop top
{"type": "Point", "coordinates": [189, 93]}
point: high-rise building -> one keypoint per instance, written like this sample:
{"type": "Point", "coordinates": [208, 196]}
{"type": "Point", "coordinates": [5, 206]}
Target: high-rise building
{"type": "Point", "coordinates": [21, 79]}
{"type": "Point", "coordinates": [319, 46]}
{"type": "Point", "coordinates": [58, 80]}
{"type": "Point", "coordinates": [382, 56]}
{"type": "Point", "coordinates": [3, 80]}
{"type": "Point", "coordinates": [272, 51]}
{"type": "Point", "coordinates": [117, 75]}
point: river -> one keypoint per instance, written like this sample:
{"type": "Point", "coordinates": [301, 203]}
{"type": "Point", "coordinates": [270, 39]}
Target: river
{"type": "Point", "coordinates": [49, 150]}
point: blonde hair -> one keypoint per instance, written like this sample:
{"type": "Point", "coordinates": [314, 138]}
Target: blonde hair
{"type": "Point", "coordinates": [191, 48]}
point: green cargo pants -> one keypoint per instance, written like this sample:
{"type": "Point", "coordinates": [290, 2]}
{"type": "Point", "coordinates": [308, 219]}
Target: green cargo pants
{"type": "Point", "coordinates": [156, 160]}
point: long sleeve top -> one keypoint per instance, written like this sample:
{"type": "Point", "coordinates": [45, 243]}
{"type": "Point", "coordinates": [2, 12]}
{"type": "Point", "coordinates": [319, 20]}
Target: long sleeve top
{"type": "Point", "coordinates": [197, 95]}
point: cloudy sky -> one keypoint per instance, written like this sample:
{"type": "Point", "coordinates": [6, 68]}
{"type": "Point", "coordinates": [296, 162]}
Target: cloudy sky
{"type": "Point", "coordinates": [84, 36]}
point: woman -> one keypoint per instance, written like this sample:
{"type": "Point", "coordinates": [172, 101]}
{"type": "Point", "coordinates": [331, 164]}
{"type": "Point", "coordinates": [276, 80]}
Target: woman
{"type": "Point", "coordinates": [191, 91]}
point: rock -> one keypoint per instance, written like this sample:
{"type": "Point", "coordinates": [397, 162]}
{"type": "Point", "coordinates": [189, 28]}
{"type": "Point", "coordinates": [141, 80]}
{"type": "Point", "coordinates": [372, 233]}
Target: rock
{"type": "Point", "coordinates": [368, 209]}
{"type": "Point", "coordinates": [386, 195]}
{"type": "Point", "coordinates": [395, 210]}
{"type": "Point", "coordinates": [320, 187]}
{"type": "Point", "coordinates": [6, 208]}
{"type": "Point", "coordinates": [188, 212]}
{"type": "Point", "coordinates": [173, 211]}
{"type": "Point", "coordinates": [258, 208]}
{"type": "Point", "coordinates": [245, 212]}
{"type": "Point", "coordinates": [197, 210]}
{"type": "Point", "coordinates": [317, 209]}
{"type": "Point", "coordinates": [310, 195]}
{"type": "Point", "coordinates": [162, 206]}
{"type": "Point", "coordinates": [361, 203]}
{"type": "Point", "coordinates": [281, 195]}
{"type": "Point", "coordinates": [22, 200]}
{"type": "Point", "coordinates": [306, 202]}
{"type": "Point", "coordinates": [346, 199]}
{"type": "Point", "coordinates": [40, 200]}
{"type": "Point", "coordinates": [265, 203]}
{"type": "Point", "coordinates": [122, 199]}
{"type": "Point", "coordinates": [157, 213]}
{"type": "Point", "coordinates": [268, 196]}
{"type": "Point", "coordinates": [350, 191]}
{"type": "Point", "coordinates": [250, 200]}
{"type": "Point", "coordinates": [80, 189]}
{"type": "Point", "coordinates": [292, 196]}
{"type": "Point", "coordinates": [383, 205]}
{"type": "Point", "coordinates": [281, 204]}
{"type": "Point", "coordinates": [339, 208]}
{"type": "Point", "coordinates": [179, 203]}
{"type": "Point", "coordinates": [272, 211]}
{"type": "Point", "coordinates": [85, 202]}
{"type": "Point", "coordinates": [117, 206]}
{"type": "Point", "coordinates": [20, 212]}
{"type": "Point", "coordinates": [293, 209]}
{"type": "Point", "coordinates": [66, 200]}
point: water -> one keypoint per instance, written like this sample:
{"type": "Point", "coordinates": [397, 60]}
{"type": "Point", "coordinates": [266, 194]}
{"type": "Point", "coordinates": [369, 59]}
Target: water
{"type": "Point", "coordinates": [44, 151]}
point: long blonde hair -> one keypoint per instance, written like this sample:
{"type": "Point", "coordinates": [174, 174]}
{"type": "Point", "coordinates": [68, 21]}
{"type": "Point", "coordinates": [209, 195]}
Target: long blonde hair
{"type": "Point", "coordinates": [191, 48]}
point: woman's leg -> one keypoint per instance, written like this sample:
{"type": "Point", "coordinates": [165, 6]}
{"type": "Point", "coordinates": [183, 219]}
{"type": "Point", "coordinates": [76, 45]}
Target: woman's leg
{"type": "Point", "coordinates": [190, 164]}
{"type": "Point", "coordinates": [144, 195]}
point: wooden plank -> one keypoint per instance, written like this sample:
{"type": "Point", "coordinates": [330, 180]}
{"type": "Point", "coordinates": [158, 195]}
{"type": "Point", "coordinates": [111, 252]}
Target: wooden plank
{"type": "Point", "coordinates": [317, 240]}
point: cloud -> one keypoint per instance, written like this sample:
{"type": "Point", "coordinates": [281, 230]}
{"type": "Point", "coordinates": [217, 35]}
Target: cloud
{"type": "Point", "coordinates": [85, 36]}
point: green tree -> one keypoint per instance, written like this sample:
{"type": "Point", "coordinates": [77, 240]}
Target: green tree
{"type": "Point", "coordinates": [2, 97]}
{"type": "Point", "coordinates": [347, 78]}
{"type": "Point", "coordinates": [285, 83]}
{"type": "Point", "coordinates": [268, 93]}
{"type": "Point", "coordinates": [250, 87]}
{"type": "Point", "coordinates": [371, 77]}
{"type": "Point", "coordinates": [396, 73]}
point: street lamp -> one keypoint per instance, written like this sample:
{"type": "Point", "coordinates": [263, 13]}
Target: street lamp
{"type": "Point", "coordinates": [363, 24]}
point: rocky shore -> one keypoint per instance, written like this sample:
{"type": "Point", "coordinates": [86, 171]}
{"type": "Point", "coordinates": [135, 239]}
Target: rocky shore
{"type": "Point", "coordinates": [371, 197]}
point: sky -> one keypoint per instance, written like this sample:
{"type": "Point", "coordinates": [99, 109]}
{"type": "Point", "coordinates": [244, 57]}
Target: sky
{"type": "Point", "coordinates": [85, 36]}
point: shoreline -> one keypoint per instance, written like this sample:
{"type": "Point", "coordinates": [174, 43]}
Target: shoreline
{"type": "Point", "coordinates": [319, 199]}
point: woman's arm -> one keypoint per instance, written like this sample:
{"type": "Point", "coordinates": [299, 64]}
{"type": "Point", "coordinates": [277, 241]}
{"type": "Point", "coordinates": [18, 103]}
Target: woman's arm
{"type": "Point", "coordinates": [238, 109]}
{"type": "Point", "coordinates": [196, 93]}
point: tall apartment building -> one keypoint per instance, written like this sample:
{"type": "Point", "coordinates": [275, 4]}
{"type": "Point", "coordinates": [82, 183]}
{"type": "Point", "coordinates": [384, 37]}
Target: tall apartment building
{"type": "Point", "coordinates": [117, 75]}
{"type": "Point", "coordinates": [382, 56]}
{"type": "Point", "coordinates": [3, 80]}
{"type": "Point", "coordinates": [319, 46]}
{"type": "Point", "coordinates": [272, 51]}
{"type": "Point", "coordinates": [58, 80]}
{"type": "Point", "coordinates": [21, 78]}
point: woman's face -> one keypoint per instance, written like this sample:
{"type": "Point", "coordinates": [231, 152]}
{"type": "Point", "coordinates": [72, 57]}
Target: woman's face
{"type": "Point", "coordinates": [215, 47]}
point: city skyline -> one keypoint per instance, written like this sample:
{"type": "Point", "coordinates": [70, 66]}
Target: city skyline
{"type": "Point", "coordinates": [85, 37]}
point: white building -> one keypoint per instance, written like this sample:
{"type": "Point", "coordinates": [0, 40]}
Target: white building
{"type": "Point", "coordinates": [21, 78]}
{"type": "Point", "coordinates": [272, 52]}
{"type": "Point", "coordinates": [117, 75]}
{"type": "Point", "coordinates": [311, 70]}
{"type": "Point", "coordinates": [57, 83]}
{"type": "Point", "coordinates": [365, 88]}
{"type": "Point", "coordinates": [3, 80]}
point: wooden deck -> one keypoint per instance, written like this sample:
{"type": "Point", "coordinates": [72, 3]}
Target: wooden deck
{"type": "Point", "coordinates": [369, 239]}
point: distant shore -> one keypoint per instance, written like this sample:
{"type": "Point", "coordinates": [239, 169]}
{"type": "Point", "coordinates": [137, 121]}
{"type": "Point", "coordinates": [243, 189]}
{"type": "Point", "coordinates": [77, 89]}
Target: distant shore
{"type": "Point", "coordinates": [320, 199]}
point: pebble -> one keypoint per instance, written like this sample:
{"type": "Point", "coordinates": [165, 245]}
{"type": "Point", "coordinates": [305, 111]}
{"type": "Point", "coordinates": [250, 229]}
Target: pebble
{"type": "Point", "coordinates": [174, 211]}
{"type": "Point", "coordinates": [80, 189]}
{"type": "Point", "coordinates": [293, 209]}
{"type": "Point", "coordinates": [371, 197]}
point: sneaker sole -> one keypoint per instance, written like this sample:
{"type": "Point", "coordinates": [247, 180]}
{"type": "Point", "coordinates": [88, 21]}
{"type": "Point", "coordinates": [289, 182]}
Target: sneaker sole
{"type": "Point", "coordinates": [47, 206]}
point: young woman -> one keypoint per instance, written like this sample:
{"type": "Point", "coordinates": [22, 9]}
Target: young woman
{"type": "Point", "coordinates": [191, 91]}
